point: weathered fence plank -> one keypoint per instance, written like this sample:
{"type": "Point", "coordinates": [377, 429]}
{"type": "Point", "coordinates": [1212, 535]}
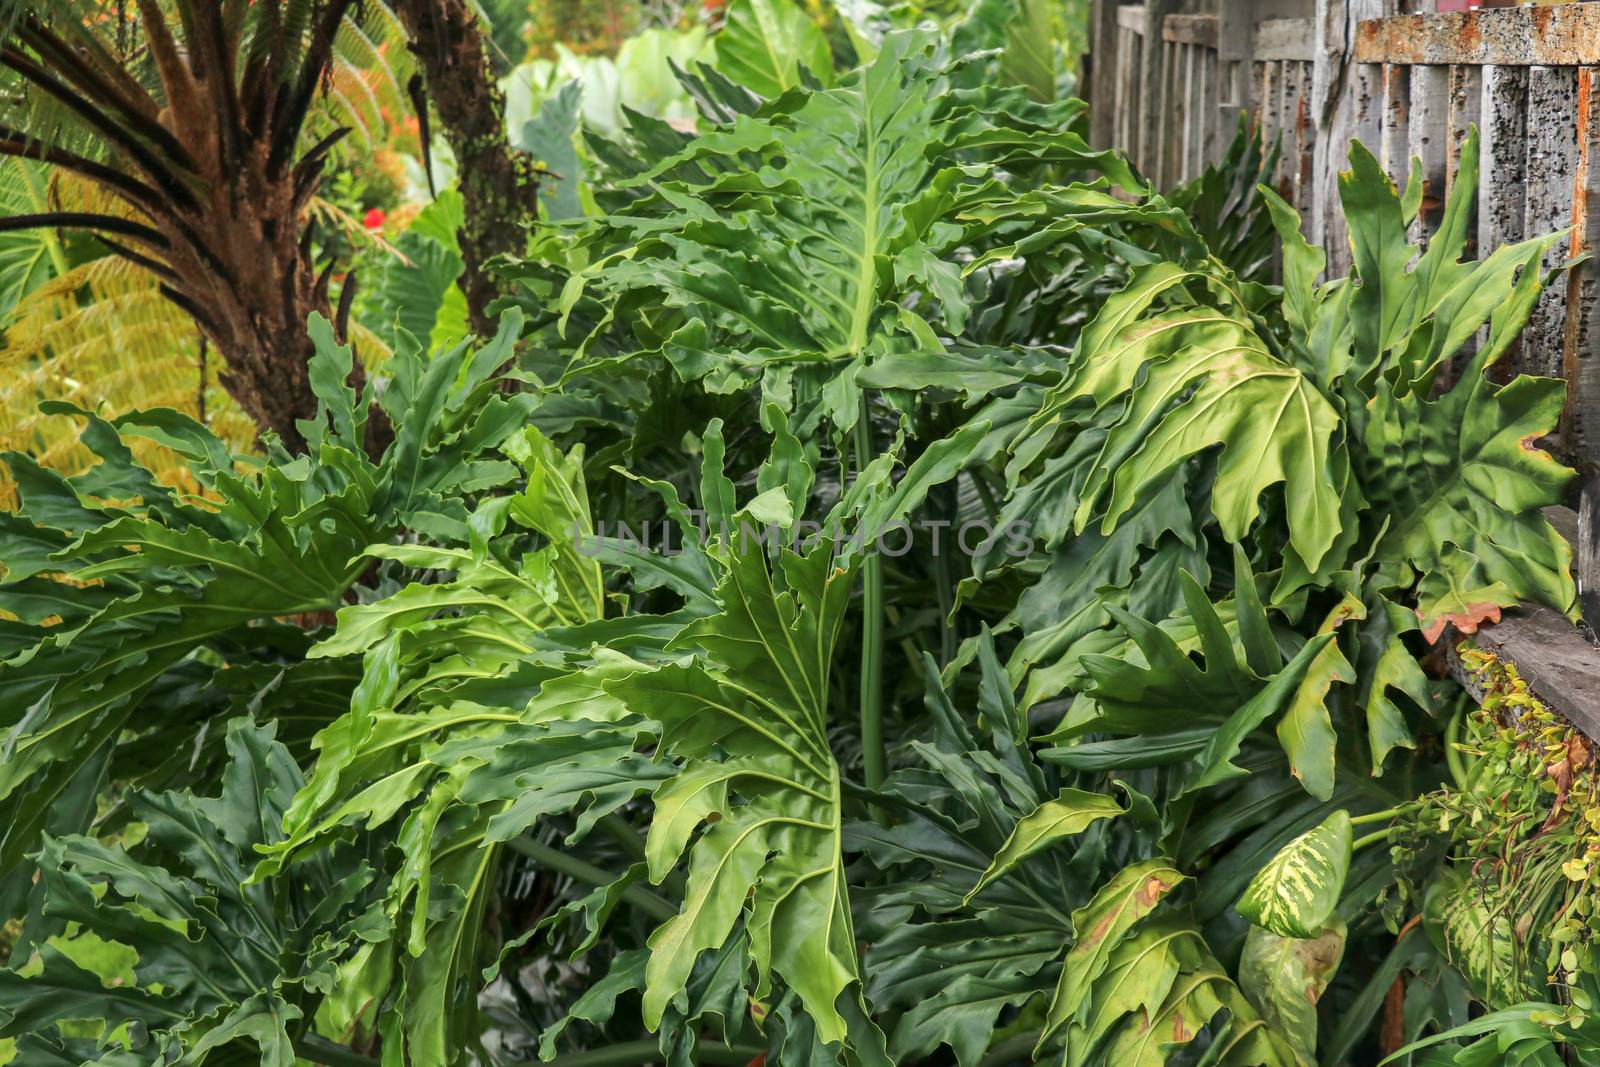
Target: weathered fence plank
{"type": "Point", "coordinates": [1567, 35]}
{"type": "Point", "coordinates": [1552, 161]}
{"type": "Point", "coordinates": [1426, 127]}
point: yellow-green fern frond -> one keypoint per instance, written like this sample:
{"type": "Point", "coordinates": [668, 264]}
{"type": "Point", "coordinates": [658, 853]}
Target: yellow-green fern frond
{"type": "Point", "coordinates": [102, 336]}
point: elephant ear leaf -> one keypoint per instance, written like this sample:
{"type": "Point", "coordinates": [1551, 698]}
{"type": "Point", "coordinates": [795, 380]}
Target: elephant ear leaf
{"type": "Point", "coordinates": [1295, 894]}
{"type": "Point", "coordinates": [1073, 812]}
{"type": "Point", "coordinates": [765, 44]}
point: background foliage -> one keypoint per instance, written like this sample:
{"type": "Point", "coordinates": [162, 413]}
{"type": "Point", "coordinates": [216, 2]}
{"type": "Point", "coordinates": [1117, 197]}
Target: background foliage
{"type": "Point", "coordinates": [647, 696]}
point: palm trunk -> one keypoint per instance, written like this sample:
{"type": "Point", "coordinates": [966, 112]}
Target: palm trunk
{"type": "Point", "coordinates": [499, 185]}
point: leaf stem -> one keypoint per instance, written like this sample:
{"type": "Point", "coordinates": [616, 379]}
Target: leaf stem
{"type": "Point", "coordinates": [622, 832]}
{"type": "Point", "coordinates": [1452, 754]}
{"type": "Point", "coordinates": [1371, 839]}
{"type": "Point", "coordinates": [648, 1050]}
{"type": "Point", "coordinates": [655, 906]}
{"type": "Point", "coordinates": [319, 1049]}
{"type": "Point", "coordinates": [1377, 816]}
{"type": "Point", "coordinates": [944, 581]}
{"type": "Point", "coordinates": [874, 759]}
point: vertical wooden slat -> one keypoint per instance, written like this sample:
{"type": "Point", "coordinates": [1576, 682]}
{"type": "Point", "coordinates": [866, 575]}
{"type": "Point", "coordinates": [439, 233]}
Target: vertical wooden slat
{"type": "Point", "coordinates": [1502, 192]}
{"type": "Point", "coordinates": [1104, 50]}
{"type": "Point", "coordinates": [1194, 92]}
{"type": "Point", "coordinates": [1175, 106]}
{"type": "Point", "coordinates": [1466, 106]}
{"type": "Point", "coordinates": [1396, 122]}
{"type": "Point", "coordinates": [1552, 159]}
{"type": "Point", "coordinates": [1581, 428]}
{"type": "Point", "coordinates": [1269, 107]}
{"type": "Point", "coordinates": [1127, 90]}
{"type": "Point", "coordinates": [1289, 111]}
{"type": "Point", "coordinates": [1367, 125]}
{"type": "Point", "coordinates": [1151, 107]}
{"type": "Point", "coordinates": [1425, 140]}
{"type": "Point", "coordinates": [1502, 188]}
{"type": "Point", "coordinates": [1213, 129]}
{"type": "Point", "coordinates": [1346, 100]}
{"type": "Point", "coordinates": [1305, 135]}
{"type": "Point", "coordinates": [1582, 438]}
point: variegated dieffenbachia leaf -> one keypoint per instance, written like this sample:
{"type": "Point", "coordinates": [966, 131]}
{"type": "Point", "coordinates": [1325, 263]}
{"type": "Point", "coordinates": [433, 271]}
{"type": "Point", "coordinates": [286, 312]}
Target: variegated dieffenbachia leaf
{"type": "Point", "coordinates": [1296, 893]}
{"type": "Point", "coordinates": [1478, 936]}
{"type": "Point", "coordinates": [1285, 977]}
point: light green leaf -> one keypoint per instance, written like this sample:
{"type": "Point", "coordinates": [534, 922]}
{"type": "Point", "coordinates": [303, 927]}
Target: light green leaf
{"type": "Point", "coordinates": [1101, 925]}
{"type": "Point", "coordinates": [1073, 812]}
{"type": "Point", "coordinates": [1296, 893]}
{"type": "Point", "coordinates": [765, 44]}
{"type": "Point", "coordinates": [1285, 977]}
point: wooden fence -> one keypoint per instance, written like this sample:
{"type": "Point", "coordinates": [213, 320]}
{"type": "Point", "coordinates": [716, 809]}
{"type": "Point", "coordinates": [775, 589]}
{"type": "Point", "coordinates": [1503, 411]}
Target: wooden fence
{"type": "Point", "coordinates": [1409, 86]}
{"type": "Point", "coordinates": [1315, 73]}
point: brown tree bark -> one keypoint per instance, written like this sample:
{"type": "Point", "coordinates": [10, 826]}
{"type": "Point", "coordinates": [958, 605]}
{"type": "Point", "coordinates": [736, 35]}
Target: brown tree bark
{"type": "Point", "coordinates": [499, 185]}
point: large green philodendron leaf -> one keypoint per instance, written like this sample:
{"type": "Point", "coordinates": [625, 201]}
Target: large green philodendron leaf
{"type": "Point", "coordinates": [1141, 983]}
{"type": "Point", "coordinates": [1069, 814]}
{"type": "Point", "coordinates": [1455, 481]}
{"type": "Point", "coordinates": [435, 654]}
{"type": "Point", "coordinates": [766, 44]}
{"type": "Point", "coordinates": [184, 584]}
{"type": "Point", "coordinates": [1191, 379]}
{"type": "Point", "coordinates": [790, 245]}
{"type": "Point", "coordinates": [1296, 893]}
{"type": "Point", "coordinates": [1178, 713]}
{"type": "Point", "coordinates": [983, 862]}
{"type": "Point", "coordinates": [218, 965]}
{"type": "Point", "coordinates": [498, 696]}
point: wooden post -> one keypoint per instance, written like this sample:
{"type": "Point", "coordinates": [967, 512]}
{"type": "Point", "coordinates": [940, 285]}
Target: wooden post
{"type": "Point", "coordinates": [1102, 73]}
{"type": "Point", "coordinates": [1552, 160]}
{"type": "Point", "coordinates": [1344, 99]}
{"type": "Point", "coordinates": [1151, 116]}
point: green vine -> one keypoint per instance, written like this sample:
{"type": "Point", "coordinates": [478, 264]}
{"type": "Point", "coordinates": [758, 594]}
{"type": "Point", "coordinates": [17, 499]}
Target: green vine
{"type": "Point", "coordinates": [1522, 822]}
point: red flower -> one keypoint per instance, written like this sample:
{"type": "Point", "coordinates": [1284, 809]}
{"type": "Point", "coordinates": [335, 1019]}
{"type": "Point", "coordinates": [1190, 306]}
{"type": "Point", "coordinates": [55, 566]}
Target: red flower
{"type": "Point", "coordinates": [374, 219]}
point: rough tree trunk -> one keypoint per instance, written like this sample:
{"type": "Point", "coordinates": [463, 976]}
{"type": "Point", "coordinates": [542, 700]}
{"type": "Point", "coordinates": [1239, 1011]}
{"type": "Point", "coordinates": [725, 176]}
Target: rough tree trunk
{"type": "Point", "coordinates": [251, 286]}
{"type": "Point", "coordinates": [499, 185]}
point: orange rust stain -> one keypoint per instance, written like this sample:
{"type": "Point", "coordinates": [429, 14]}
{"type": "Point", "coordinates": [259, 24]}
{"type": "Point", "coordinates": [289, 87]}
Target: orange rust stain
{"type": "Point", "coordinates": [1580, 187]}
{"type": "Point", "coordinates": [1471, 34]}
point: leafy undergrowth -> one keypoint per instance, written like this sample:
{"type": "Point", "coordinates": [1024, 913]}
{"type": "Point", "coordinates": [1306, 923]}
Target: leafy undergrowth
{"type": "Point", "coordinates": [925, 600]}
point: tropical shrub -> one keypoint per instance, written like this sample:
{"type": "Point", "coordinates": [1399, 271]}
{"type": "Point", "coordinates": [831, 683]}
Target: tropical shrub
{"type": "Point", "coordinates": [668, 709]}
